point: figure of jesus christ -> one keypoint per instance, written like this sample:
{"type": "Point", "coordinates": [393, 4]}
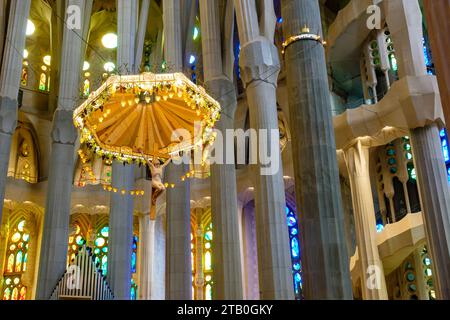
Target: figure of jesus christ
{"type": "Point", "coordinates": [156, 169]}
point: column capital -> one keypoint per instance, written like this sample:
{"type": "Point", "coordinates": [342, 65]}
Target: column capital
{"type": "Point", "coordinates": [259, 61]}
{"type": "Point", "coordinates": [356, 159]}
{"type": "Point", "coordinates": [8, 115]}
{"type": "Point", "coordinates": [64, 131]}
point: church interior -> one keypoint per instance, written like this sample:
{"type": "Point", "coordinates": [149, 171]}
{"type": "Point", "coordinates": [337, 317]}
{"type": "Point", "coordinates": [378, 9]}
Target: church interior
{"type": "Point", "coordinates": [95, 207]}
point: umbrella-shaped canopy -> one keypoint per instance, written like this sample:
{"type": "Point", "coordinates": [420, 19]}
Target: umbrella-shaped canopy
{"type": "Point", "coordinates": [133, 115]}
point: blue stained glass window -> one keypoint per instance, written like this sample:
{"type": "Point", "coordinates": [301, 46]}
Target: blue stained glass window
{"type": "Point", "coordinates": [133, 292]}
{"type": "Point", "coordinates": [295, 249]}
{"type": "Point", "coordinates": [295, 252]}
{"type": "Point", "coordinates": [133, 262]}
{"type": "Point", "coordinates": [444, 142]}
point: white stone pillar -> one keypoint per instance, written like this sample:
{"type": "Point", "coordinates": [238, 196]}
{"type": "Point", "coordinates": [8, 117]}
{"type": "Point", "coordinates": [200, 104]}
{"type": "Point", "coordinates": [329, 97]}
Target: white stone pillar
{"type": "Point", "coordinates": [373, 280]}
{"type": "Point", "coordinates": [435, 200]}
{"type": "Point", "coordinates": [250, 253]}
{"type": "Point", "coordinates": [404, 20]}
{"type": "Point", "coordinates": [142, 30]}
{"type": "Point", "coordinates": [145, 257]}
{"type": "Point", "coordinates": [178, 236]}
{"type": "Point", "coordinates": [172, 35]}
{"type": "Point", "coordinates": [260, 65]}
{"type": "Point", "coordinates": [123, 178]}
{"type": "Point", "coordinates": [227, 263]}
{"type": "Point", "coordinates": [325, 262]}
{"type": "Point", "coordinates": [11, 70]}
{"type": "Point", "coordinates": [53, 256]}
{"type": "Point", "coordinates": [178, 241]}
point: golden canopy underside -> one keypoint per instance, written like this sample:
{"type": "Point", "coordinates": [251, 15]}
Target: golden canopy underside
{"type": "Point", "coordinates": [142, 127]}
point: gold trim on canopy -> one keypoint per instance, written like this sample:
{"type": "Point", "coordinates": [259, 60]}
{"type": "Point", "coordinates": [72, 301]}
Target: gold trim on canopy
{"type": "Point", "coordinates": [137, 114]}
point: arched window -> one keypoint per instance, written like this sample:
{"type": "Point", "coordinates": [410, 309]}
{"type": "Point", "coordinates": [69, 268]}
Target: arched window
{"type": "Point", "coordinates": [43, 82]}
{"type": "Point", "coordinates": [24, 77]}
{"type": "Point", "coordinates": [86, 88]}
{"type": "Point", "coordinates": [101, 249]}
{"type": "Point", "coordinates": [76, 239]}
{"type": "Point", "coordinates": [207, 265]}
{"type": "Point", "coordinates": [294, 243]}
{"type": "Point", "coordinates": [16, 263]}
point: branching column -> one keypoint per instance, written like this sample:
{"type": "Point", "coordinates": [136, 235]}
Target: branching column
{"type": "Point", "coordinates": [11, 69]}
{"type": "Point", "coordinates": [260, 65]}
{"type": "Point", "coordinates": [123, 178]}
{"type": "Point", "coordinates": [53, 256]}
{"type": "Point", "coordinates": [373, 281]}
{"type": "Point", "coordinates": [227, 260]}
{"type": "Point", "coordinates": [325, 260]}
{"type": "Point", "coordinates": [404, 20]}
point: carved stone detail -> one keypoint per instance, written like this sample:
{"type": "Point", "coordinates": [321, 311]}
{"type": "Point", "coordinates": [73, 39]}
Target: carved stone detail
{"type": "Point", "coordinates": [64, 131]}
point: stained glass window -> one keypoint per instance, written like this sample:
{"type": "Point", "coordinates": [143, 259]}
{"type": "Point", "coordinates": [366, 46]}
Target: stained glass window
{"type": "Point", "coordinates": [207, 267]}
{"type": "Point", "coordinates": [134, 286]}
{"type": "Point", "coordinates": [444, 143]}
{"type": "Point", "coordinates": [101, 249]}
{"type": "Point", "coordinates": [16, 263]}
{"type": "Point", "coordinates": [295, 252]}
{"type": "Point", "coordinates": [24, 77]}
{"type": "Point", "coordinates": [43, 82]}
{"type": "Point", "coordinates": [193, 264]}
{"type": "Point", "coordinates": [133, 294]}
{"type": "Point", "coordinates": [428, 58]}
{"type": "Point", "coordinates": [86, 88]}
{"type": "Point", "coordinates": [76, 239]}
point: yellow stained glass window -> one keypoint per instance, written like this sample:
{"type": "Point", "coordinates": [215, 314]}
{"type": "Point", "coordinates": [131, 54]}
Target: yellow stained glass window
{"type": "Point", "coordinates": [24, 77]}
{"type": "Point", "coordinates": [16, 264]}
{"type": "Point", "coordinates": [76, 239]}
{"type": "Point", "coordinates": [43, 82]}
{"type": "Point", "coordinates": [207, 262]}
{"type": "Point", "coordinates": [86, 88]}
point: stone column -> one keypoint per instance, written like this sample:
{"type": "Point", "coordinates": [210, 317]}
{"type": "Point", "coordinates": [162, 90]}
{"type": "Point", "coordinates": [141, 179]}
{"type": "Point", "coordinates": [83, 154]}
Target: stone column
{"type": "Point", "coordinates": [53, 256]}
{"type": "Point", "coordinates": [405, 18]}
{"type": "Point", "coordinates": [172, 35]}
{"type": "Point", "coordinates": [324, 255]}
{"type": "Point", "coordinates": [250, 253]}
{"type": "Point", "coordinates": [11, 70]}
{"type": "Point", "coordinates": [122, 206]}
{"type": "Point", "coordinates": [145, 257]}
{"type": "Point", "coordinates": [178, 248]}
{"type": "Point", "coordinates": [142, 29]}
{"type": "Point", "coordinates": [373, 281]}
{"type": "Point", "coordinates": [227, 263]}
{"type": "Point", "coordinates": [260, 65]}
{"type": "Point", "coordinates": [178, 241]}
{"type": "Point", "coordinates": [435, 199]}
